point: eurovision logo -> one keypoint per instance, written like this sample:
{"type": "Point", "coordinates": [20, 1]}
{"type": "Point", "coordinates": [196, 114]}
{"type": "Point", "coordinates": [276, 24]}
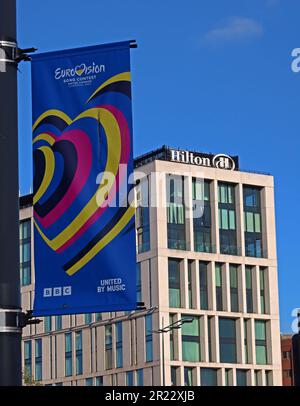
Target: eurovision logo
{"type": "Point", "coordinates": [79, 75]}
{"type": "Point", "coordinates": [219, 161]}
{"type": "Point", "coordinates": [78, 71]}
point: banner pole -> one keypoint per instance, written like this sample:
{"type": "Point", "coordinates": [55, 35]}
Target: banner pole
{"type": "Point", "coordinates": [10, 332]}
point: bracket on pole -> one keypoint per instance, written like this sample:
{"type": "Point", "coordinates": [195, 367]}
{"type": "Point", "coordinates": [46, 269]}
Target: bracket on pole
{"type": "Point", "coordinates": [22, 54]}
{"type": "Point", "coordinates": [8, 52]}
{"type": "Point", "coordinates": [12, 54]}
{"type": "Point", "coordinates": [25, 319]}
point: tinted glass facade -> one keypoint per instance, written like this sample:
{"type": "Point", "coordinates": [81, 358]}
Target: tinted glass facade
{"type": "Point", "coordinates": [202, 215]}
{"type": "Point", "coordinates": [227, 219]}
{"type": "Point", "coordinates": [252, 222]}
{"type": "Point", "coordinates": [176, 212]}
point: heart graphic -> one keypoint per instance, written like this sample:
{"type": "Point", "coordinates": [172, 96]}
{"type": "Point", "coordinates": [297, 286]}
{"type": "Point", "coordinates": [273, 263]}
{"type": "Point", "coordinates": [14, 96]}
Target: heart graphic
{"type": "Point", "coordinates": [80, 69]}
{"type": "Point", "coordinates": [65, 157]}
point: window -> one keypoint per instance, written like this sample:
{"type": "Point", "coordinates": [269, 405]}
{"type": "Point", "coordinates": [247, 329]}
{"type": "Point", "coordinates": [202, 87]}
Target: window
{"type": "Point", "coordinates": [249, 291]}
{"type": "Point", "coordinates": [252, 222]}
{"type": "Point", "coordinates": [241, 377]}
{"type": "Point", "coordinates": [139, 377]}
{"type": "Point", "coordinates": [88, 318]}
{"type": "Point", "coordinates": [172, 353]}
{"type": "Point", "coordinates": [149, 338]}
{"type": "Point", "coordinates": [173, 376]}
{"type": "Point", "coordinates": [98, 317]}
{"type": "Point", "coordinates": [269, 378]}
{"type": "Point", "coordinates": [227, 334]}
{"type": "Point", "coordinates": [99, 381]}
{"type": "Point", "coordinates": [191, 340]}
{"type": "Point", "coordinates": [227, 219]}
{"type": "Point", "coordinates": [119, 345]}
{"type": "Point", "coordinates": [203, 285]}
{"type": "Point", "coordinates": [129, 378]}
{"type": "Point", "coordinates": [188, 376]}
{"type": "Point", "coordinates": [210, 321]}
{"type": "Point", "coordinates": [68, 355]}
{"type": "Point", "coordinates": [256, 378]}
{"type": "Point", "coordinates": [234, 297]}
{"type": "Point", "coordinates": [25, 252]}
{"type": "Point", "coordinates": [175, 212]}
{"type": "Point", "coordinates": [58, 323]}
{"type": "Point", "coordinates": [89, 382]}
{"type": "Point", "coordinates": [246, 344]}
{"type": "Point", "coordinates": [287, 354]}
{"type": "Point", "coordinates": [260, 342]}
{"type": "Point", "coordinates": [174, 283]}
{"type": "Point", "coordinates": [227, 377]}
{"type": "Point", "coordinates": [209, 377]}
{"type": "Point", "coordinates": [201, 215]}
{"type": "Point", "coordinates": [28, 359]}
{"type": "Point", "coordinates": [219, 295]}
{"type": "Point", "coordinates": [78, 345]}
{"type": "Point", "coordinates": [38, 360]}
{"type": "Point", "coordinates": [262, 280]}
{"type": "Point", "coordinates": [108, 347]}
{"type": "Point", "coordinates": [143, 216]}
{"type": "Point", "coordinates": [190, 286]}
{"type": "Point", "coordinates": [138, 282]}
{"type": "Point", "coordinates": [47, 324]}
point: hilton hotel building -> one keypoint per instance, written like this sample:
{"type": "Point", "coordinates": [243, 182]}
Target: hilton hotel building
{"type": "Point", "coordinates": [213, 276]}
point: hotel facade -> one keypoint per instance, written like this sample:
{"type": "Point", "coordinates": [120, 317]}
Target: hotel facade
{"type": "Point", "coordinates": [206, 273]}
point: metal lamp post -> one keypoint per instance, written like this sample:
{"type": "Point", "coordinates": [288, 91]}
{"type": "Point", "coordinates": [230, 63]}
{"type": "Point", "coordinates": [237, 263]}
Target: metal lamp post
{"type": "Point", "coordinates": [166, 329]}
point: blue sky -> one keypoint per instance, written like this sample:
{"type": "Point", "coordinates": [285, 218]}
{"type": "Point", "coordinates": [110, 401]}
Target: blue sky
{"type": "Point", "coordinates": [209, 75]}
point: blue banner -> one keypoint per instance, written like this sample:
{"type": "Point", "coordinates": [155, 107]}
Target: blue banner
{"type": "Point", "coordinates": [84, 238]}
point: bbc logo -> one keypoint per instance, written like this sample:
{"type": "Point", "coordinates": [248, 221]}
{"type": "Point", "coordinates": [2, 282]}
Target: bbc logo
{"type": "Point", "coordinates": [58, 291]}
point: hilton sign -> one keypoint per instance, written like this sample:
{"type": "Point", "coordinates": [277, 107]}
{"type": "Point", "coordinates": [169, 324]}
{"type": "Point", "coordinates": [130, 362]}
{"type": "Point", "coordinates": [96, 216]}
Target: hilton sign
{"type": "Point", "coordinates": [220, 161]}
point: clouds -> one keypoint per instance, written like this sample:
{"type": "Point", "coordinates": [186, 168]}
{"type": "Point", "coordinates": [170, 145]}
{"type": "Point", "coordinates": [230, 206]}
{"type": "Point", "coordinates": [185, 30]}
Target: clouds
{"type": "Point", "coordinates": [234, 29]}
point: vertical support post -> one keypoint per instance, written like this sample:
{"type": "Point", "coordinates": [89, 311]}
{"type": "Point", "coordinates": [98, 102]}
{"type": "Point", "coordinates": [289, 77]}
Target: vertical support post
{"type": "Point", "coordinates": [10, 333]}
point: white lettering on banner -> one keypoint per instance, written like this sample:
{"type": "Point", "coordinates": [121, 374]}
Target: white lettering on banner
{"type": "Point", "coordinates": [57, 291]}
{"type": "Point", "coordinates": [111, 285]}
{"type": "Point", "coordinates": [220, 161]}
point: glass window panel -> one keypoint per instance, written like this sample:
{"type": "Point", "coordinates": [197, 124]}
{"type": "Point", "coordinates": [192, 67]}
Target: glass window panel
{"type": "Point", "coordinates": [188, 376]}
{"type": "Point", "coordinates": [99, 381]}
{"type": "Point", "coordinates": [241, 377]}
{"type": "Point", "coordinates": [261, 355]}
{"type": "Point", "coordinates": [129, 378]}
{"type": "Point", "coordinates": [218, 275]}
{"type": "Point", "coordinates": [227, 334]}
{"type": "Point", "coordinates": [26, 252]}
{"type": "Point", "coordinates": [58, 322]}
{"type": "Point", "coordinates": [260, 330]}
{"type": "Point", "coordinates": [248, 277]}
{"type": "Point", "coordinates": [223, 194]}
{"type": "Point", "coordinates": [249, 222]}
{"type": "Point", "coordinates": [173, 376]}
{"type": "Point", "coordinates": [224, 219]}
{"type": "Point", "coordinates": [89, 382]}
{"type": "Point", "coordinates": [68, 342]}
{"type": "Point", "coordinates": [140, 377]}
{"type": "Point", "coordinates": [233, 277]}
{"type": "Point", "coordinates": [231, 194]}
{"type": "Point", "coordinates": [257, 223]}
{"type": "Point", "coordinates": [209, 377]}
{"type": "Point", "coordinates": [78, 340]}
{"type": "Point", "coordinates": [191, 341]}
{"type": "Point", "coordinates": [203, 286]}
{"type": "Point", "coordinates": [38, 348]}
{"type": "Point", "coordinates": [231, 219]}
